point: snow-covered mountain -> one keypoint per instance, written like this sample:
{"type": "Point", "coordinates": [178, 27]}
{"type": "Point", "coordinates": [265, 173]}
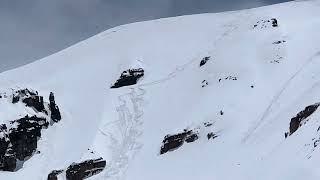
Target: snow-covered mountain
{"type": "Point", "coordinates": [232, 95]}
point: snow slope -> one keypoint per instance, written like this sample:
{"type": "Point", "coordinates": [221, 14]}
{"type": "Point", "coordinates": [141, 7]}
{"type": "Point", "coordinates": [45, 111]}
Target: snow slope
{"type": "Point", "coordinates": [127, 125]}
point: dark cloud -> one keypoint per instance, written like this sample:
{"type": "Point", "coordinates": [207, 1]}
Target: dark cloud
{"type": "Point", "coordinates": [32, 29]}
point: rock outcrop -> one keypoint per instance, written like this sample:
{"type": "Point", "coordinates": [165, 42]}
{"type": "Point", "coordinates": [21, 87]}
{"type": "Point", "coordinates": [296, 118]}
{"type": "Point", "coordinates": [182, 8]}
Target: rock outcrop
{"type": "Point", "coordinates": [55, 112]}
{"type": "Point", "coordinates": [79, 171]}
{"type": "Point", "coordinates": [19, 138]}
{"type": "Point", "coordinates": [20, 141]}
{"type": "Point", "coordinates": [299, 119]}
{"type": "Point", "coordinates": [30, 99]}
{"type": "Point", "coordinates": [129, 77]}
{"type": "Point", "coordinates": [173, 142]}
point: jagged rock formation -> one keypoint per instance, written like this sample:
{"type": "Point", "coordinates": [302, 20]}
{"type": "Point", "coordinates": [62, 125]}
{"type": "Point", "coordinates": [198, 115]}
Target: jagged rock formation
{"type": "Point", "coordinates": [298, 120]}
{"type": "Point", "coordinates": [129, 77]}
{"type": "Point", "coordinates": [30, 99]}
{"type": "Point", "coordinates": [173, 142]}
{"type": "Point", "coordinates": [20, 141]}
{"type": "Point", "coordinates": [55, 112]}
{"type": "Point", "coordinates": [19, 138]}
{"type": "Point", "coordinates": [79, 171]}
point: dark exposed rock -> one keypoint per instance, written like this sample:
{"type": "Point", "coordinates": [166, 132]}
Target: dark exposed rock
{"type": "Point", "coordinates": [231, 78]}
{"type": "Point", "coordinates": [204, 83]}
{"type": "Point", "coordinates": [86, 169]}
{"type": "Point", "coordinates": [204, 60]}
{"type": "Point", "coordinates": [266, 23]}
{"type": "Point", "coordinates": [211, 136]}
{"type": "Point", "coordinates": [19, 137]}
{"type": "Point", "coordinates": [207, 124]}
{"type": "Point", "coordinates": [279, 42]}
{"type": "Point", "coordinates": [129, 77]}
{"type": "Point", "coordinates": [35, 102]}
{"type": "Point", "coordinates": [192, 138]}
{"type": "Point", "coordinates": [296, 122]}
{"type": "Point", "coordinates": [277, 59]}
{"type": "Point", "coordinates": [54, 175]}
{"type": "Point", "coordinates": [173, 142]}
{"type": "Point", "coordinates": [15, 99]}
{"type": "Point", "coordinates": [79, 171]}
{"type": "Point", "coordinates": [30, 99]}
{"type": "Point", "coordinates": [316, 143]}
{"type": "Point", "coordinates": [24, 138]}
{"type": "Point", "coordinates": [20, 141]}
{"type": "Point", "coordinates": [55, 112]}
{"type": "Point", "coordinates": [274, 22]}
{"type": "Point", "coordinates": [9, 160]}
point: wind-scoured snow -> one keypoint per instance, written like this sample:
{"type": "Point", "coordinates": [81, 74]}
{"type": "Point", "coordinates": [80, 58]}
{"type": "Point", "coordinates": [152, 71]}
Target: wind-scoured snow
{"type": "Point", "coordinates": [259, 76]}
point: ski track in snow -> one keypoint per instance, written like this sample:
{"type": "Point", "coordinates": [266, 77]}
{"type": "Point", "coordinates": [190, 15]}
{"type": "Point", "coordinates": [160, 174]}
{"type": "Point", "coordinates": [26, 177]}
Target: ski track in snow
{"type": "Point", "coordinates": [130, 122]}
{"type": "Point", "coordinates": [129, 127]}
{"type": "Point", "coordinates": [277, 96]}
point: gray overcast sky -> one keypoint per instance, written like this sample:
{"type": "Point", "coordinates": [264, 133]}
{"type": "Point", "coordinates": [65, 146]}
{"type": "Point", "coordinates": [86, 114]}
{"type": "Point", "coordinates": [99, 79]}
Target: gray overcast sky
{"type": "Point", "coordinates": [32, 29]}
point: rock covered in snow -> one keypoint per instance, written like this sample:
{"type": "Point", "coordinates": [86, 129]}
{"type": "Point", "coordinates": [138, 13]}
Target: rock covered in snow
{"type": "Point", "coordinates": [20, 141]}
{"type": "Point", "coordinates": [19, 137]}
{"type": "Point", "coordinates": [175, 141]}
{"type": "Point", "coordinates": [30, 99]}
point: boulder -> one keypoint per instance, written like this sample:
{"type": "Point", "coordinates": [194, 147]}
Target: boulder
{"type": "Point", "coordinates": [173, 142]}
{"type": "Point", "coordinates": [129, 77]}
{"type": "Point", "coordinates": [79, 171]}
{"type": "Point", "coordinates": [204, 60]}
{"type": "Point", "coordinates": [86, 169]}
{"type": "Point", "coordinates": [274, 22]}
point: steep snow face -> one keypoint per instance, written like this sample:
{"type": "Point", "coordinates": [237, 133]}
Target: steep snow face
{"type": "Point", "coordinates": [262, 71]}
